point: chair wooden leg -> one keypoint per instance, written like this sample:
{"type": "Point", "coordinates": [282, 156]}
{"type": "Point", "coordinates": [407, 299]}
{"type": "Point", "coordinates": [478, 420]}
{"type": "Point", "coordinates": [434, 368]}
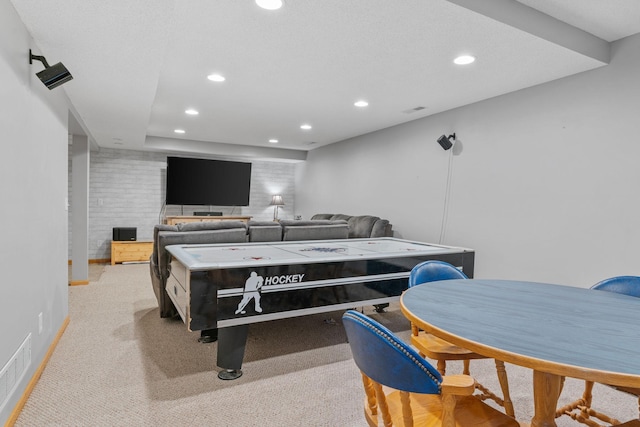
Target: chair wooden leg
{"type": "Point", "coordinates": [587, 395]}
{"type": "Point", "coordinates": [448, 408]}
{"type": "Point", "coordinates": [581, 411]}
{"type": "Point", "coordinates": [407, 413]}
{"type": "Point", "coordinates": [465, 367]}
{"type": "Point", "coordinates": [382, 404]}
{"type": "Point", "coordinates": [579, 404]}
{"type": "Point", "coordinates": [505, 401]}
{"type": "Point", "coordinates": [504, 385]}
{"type": "Point", "coordinates": [414, 330]}
{"type": "Point", "coordinates": [441, 367]}
{"type": "Point", "coordinates": [371, 394]}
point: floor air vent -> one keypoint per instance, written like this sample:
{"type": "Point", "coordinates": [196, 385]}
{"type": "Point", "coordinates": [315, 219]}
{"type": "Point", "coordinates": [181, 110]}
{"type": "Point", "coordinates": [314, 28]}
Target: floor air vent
{"type": "Point", "coordinates": [13, 372]}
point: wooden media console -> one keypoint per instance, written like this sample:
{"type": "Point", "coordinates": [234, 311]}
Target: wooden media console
{"type": "Point", "coordinates": [130, 251]}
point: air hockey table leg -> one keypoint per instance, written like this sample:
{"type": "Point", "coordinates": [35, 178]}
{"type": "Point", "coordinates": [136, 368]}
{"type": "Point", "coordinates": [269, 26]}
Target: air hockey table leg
{"type": "Point", "coordinates": [380, 307]}
{"type": "Point", "coordinates": [208, 336]}
{"type": "Point", "coordinates": [231, 344]}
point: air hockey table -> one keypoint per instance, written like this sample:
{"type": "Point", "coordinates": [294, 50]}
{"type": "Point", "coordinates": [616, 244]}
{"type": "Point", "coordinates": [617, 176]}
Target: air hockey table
{"type": "Point", "coordinates": [229, 286]}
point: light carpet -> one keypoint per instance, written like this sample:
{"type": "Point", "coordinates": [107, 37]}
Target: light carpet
{"type": "Point", "coordinates": [120, 364]}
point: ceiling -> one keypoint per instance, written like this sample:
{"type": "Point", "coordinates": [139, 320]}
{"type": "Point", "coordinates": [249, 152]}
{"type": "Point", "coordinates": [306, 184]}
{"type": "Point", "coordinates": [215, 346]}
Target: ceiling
{"type": "Point", "coordinates": [138, 65]}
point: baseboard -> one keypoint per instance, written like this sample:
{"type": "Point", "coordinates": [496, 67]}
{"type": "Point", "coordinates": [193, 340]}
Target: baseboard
{"type": "Point", "coordinates": [95, 261]}
{"type": "Point", "coordinates": [36, 376]}
{"type": "Point", "coordinates": [78, 282]}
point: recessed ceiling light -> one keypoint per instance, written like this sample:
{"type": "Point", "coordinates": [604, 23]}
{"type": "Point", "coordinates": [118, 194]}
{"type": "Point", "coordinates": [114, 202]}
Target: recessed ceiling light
{"type": "Point", "coordinates": [305, 127]}
{"type": "Point", "coordinates": [269, 4]}
{"type": "Point", "coordinates": [273, 141]}
{"type": "Point", "coordinates": [464, 59]}
{"type": "Point", "coordinates": [361, 103]}
{"type": "Point", "coordinates": [179, 130]}
{"type": "Point", "coordinates": [216, 78]}
{"type": "Point", "coordinates": [191, 112]}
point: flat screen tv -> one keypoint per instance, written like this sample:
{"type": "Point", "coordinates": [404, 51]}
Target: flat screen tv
{"type": "Point", "coordinates": [207, 182]}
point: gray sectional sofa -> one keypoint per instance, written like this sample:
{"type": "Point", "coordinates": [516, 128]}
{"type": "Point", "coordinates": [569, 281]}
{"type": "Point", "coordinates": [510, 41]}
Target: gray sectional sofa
{"type": "Point", "coordinates": [320, 227]}
{"type": "Point", "coordinates": [229, 232]}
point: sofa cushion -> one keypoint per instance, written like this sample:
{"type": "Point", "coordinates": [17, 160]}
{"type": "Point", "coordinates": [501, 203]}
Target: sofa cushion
{"type": "Point", "coordinates": [381, 228]}
{"type": "Point", "coordinates": [361, 226]}
{"type": "Point", "coordinates": [314, 230]}
{"type": "Point", "coordinates": [211, 225]}
{"type": "Point", "coordinates": [264, 231]}
{"type": "Point", "coordinates": [322, 216]}
{"type": "Point", "coordinates": [337, 217]}
{"type": "Point", "coordinates": [310, 222]}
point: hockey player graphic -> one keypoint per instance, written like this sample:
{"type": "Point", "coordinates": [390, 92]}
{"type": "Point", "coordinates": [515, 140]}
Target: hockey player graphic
{"type": "Point", "coordinates": [251, 291]}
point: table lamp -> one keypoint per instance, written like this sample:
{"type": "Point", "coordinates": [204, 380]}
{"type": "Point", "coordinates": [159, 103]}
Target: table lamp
{"type": "Point", "coordinates": [276, 201]}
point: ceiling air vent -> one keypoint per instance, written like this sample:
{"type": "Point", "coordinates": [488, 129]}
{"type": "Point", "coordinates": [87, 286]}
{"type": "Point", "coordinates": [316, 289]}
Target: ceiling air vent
{"type": "Point", "coordinates": [413, 110]}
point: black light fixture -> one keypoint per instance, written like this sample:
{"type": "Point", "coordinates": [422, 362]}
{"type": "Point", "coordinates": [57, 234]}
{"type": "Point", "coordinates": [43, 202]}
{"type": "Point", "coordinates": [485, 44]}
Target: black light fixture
{"type": "Point", "coordinates": [446, 141]}
{"type": "Point", "coordinates": [51, 76]}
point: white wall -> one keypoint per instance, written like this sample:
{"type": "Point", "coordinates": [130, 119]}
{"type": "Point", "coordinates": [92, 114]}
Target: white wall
{"type": "Point", "coordinates": [127, 188]}
{"type": "Point", "coordinates": [545, 188]}
{"type": "Point", "coordinates": [33, 183]}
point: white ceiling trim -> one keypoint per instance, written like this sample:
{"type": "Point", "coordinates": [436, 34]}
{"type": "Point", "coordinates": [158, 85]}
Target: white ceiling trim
{"type": "Point", "coordinates": [541, 25]}
{"type": "Point", "coordinates": [232, 151]}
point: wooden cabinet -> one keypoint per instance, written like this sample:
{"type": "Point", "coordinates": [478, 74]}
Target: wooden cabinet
{"type": "Point", "coordinates": [127, 251]}
{"type": "Point", "coordinates": [173, 220]}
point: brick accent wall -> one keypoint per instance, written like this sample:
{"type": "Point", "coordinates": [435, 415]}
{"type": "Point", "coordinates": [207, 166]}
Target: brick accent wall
{"type": "Point", "coordinates": [127, 188]}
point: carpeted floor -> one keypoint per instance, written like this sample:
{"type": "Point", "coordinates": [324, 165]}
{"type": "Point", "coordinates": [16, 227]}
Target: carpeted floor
{"type": "Point", "coordinates": [120, 364]}
{"type": "Point", "coordinates": [95, 271]}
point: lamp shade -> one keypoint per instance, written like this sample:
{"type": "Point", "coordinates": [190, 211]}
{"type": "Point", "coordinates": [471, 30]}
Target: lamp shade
{"type": "Point", "coordinates": [277, 200]}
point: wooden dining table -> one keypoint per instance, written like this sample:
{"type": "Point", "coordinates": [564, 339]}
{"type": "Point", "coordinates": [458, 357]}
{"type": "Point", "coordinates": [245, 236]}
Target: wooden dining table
{"type": "Point", "coordinates": [557, 331]}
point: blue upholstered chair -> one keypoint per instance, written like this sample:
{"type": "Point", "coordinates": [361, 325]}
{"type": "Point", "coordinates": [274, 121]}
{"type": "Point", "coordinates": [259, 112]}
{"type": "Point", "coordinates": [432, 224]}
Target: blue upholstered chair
{"type": "Point", "coordinates": [581, 410]}
{"type": "Point", "coordinates": [442, 351]}
{"type": "Point", "coordinates": [627, 285]}
{"type": "Point", "coordinates": [415, 393]}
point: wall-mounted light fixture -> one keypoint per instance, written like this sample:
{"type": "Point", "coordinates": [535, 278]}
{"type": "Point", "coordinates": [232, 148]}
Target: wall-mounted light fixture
{"type": "Point", "coordinates": [52, 76]}
{"type": "Point", "coordinates": [276, 201]}
{"type": "Point", "coordinates": [446, 142]}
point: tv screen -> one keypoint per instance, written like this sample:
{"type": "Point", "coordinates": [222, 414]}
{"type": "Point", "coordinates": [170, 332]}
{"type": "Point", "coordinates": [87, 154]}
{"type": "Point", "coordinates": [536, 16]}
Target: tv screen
{"type": "Point", "coordinates": [207, 182]}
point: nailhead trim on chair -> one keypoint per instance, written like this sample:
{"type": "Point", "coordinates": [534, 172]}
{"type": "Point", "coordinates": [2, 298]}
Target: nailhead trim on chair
{"type": "Point", "coordinates": [393, 340]}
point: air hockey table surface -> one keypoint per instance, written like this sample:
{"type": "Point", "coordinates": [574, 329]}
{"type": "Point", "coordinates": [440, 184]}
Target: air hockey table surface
{"type": "Point", "coordinates": [204, 257]}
